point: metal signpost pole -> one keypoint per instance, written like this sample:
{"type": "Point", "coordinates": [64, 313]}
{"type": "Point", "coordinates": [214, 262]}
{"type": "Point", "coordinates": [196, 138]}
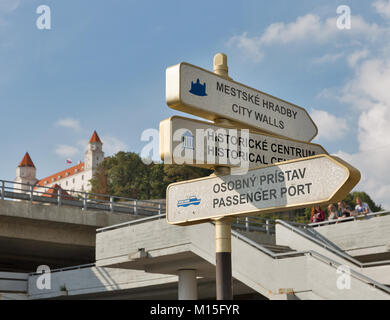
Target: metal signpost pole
{"type": "Point", "coordinates": [223, 244]}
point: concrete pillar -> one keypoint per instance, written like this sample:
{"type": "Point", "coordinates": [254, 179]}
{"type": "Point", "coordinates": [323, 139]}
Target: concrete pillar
{"type": "Point", "coordinates": [188, 288]}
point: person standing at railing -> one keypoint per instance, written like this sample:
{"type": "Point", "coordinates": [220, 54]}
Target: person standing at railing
{"type": "Point", "coordinates": [317, 215]}
{"type": "Point", "coordinates": [361, 207]}
{"type": "Point", "coordinates": [332, 212]}
{"type": "Point", "coordinates": [343, 210]}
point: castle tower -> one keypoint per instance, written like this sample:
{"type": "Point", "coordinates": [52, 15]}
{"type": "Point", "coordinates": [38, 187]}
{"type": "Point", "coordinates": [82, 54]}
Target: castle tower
{"type": "Point", "coordinates": [94, 154]}
{"type": "Point", "coordinates": [26, 174]}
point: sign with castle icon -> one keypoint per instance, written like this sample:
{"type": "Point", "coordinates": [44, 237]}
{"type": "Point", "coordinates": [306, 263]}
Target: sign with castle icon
{"type": "Point", "coordinates": [227, 99]}
{"type": "Point", "coordinates": [198, 89]}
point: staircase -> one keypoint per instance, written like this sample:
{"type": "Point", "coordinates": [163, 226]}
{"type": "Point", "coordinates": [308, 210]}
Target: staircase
{"type": "Point", "coordinates": [278, 249]}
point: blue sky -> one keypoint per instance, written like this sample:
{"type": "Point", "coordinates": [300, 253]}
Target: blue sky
{"type": "Point", "coordinates": [102, 67]}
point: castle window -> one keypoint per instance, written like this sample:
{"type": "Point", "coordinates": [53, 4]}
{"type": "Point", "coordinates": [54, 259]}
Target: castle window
{"type": "Point", "coordinates": [53, 179]}
{"type": "Point", "coordinates": [76, 170]}
{"type": "Point", "coordinates": [66, 183]}
{"type": "Point", "coordinates": [67, 174]}
{"type": "Point", "coordinates": [82, 177]}
{"type": "Point", "coordinates": [46, 182]}
{"type": "Point", "coordinates": [73, 180]}
{"type": "Point", "coordinates": [59, 177]}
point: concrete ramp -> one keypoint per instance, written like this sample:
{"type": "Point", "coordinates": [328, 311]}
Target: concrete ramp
{"type": "Point", "coordinates": [155, 246]}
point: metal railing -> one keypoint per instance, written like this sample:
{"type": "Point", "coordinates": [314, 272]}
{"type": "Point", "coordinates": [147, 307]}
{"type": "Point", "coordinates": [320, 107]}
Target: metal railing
{"type": "Point", "coordinates": [130, 223]}
{"type": "Point", "coordinates": [259, 224]}
{"type": "Point", "coordinates": [353, 218]}
{"type": "Point", "coordinates": [84, 200]}
{"type": "Point", "coordinates": [82, 266]}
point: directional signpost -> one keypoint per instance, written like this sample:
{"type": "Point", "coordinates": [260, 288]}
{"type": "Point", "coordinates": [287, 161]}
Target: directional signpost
{"type": "Point", "coordinates": [205, 94]}
{"type": "Point", "coordinates": [250, 127]}
{"type": "Point", "coordinates": [285, 186]}
{"type": "Point", "coordinates": [203, 144]}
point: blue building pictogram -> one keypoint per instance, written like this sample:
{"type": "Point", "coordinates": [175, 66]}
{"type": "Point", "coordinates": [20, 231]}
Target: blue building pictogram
{"type": "Point", "coordinates": [198, 89]}
{"type": "Point", "coordinates": [188, 140]}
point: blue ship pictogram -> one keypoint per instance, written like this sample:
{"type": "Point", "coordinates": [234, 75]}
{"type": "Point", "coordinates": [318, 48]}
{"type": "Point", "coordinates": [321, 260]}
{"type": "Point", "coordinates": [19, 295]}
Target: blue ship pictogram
{"type": "Point", "coordinates": [188, 202]}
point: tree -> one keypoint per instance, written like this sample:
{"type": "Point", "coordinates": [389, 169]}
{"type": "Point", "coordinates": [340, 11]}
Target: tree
{"type": "Point", "coordinates": [126, 175]}
{"type": "Point", "coordinates": [175, 173]}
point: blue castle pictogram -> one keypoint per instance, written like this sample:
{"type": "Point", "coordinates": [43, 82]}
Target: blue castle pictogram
{"type": "Point", "coordinates": [198, 89]}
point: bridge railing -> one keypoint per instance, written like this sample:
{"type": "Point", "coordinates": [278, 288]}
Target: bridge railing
{"type": "Point", "coordinates": [352, 218]}
{"type": "Point", "coordinates": [259, 224]}
{"type": "Point", "coordinates": [85, 200]}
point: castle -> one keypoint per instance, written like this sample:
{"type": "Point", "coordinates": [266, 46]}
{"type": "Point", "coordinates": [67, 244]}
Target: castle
{"type": "Point", "coordinates": [198, 89]}
{"type": "Point", "coordinates": [73, 179]}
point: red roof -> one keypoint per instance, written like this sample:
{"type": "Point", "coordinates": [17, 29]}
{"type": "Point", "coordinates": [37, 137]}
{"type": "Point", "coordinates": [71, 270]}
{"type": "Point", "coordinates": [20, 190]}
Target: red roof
{"type": "Point", "coordinates": [95, 138]}
{"type": "Point", "coordinates": [53, 193]}
{"type": "Point", "coordinates": [26, 161]}
{"type": "Point", "coordinates": [62, 174]}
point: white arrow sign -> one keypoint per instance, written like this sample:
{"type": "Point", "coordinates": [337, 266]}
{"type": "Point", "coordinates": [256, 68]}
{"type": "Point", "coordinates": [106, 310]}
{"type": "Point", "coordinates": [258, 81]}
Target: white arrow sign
{"type": "Point", "coordinates": [203, 144]}
{"type": "Point", "coordinates": [289, 185]}
{"type": "Point", "coordinates": [205, 94]}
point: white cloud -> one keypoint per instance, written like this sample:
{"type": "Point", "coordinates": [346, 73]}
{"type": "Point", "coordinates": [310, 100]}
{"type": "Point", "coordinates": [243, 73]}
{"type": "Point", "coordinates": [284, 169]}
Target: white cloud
{"type": "Point", "coordinates": [357, 56]}
{"type": "Point", "coordinates": [310, 29]}
{"type": "Point", "coordinates": [69, 123]}
{"type": "Point", "coordinates": [329, 126]}
{"type": "Point", "coordinates": [368, 93]}
{"type": "Point", "coordinates": [329, 58]}
{"type": "Point", "coordinates": [112, 145]}
{"type": "Point", "coordinates": [66, 150]}
{"type": "Point", "coordinates": [382, 7]}
{"type": "Point", "coordinates": [370, 85]}
{"type": "Point", "coordinates": [7, 6]}
{"type": "Point", "coordinates": [305, 26]}
{"type": "Point", "coordinates": [250, 46]}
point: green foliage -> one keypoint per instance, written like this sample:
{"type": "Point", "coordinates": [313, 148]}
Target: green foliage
{"type": "Point", "coordinates": [125, 175]}
{"type": "Point", "coordinates": [176, 173]}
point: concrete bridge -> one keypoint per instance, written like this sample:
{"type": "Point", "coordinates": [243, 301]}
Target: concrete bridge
{"type": "Point", "coordinates": [36, 234]}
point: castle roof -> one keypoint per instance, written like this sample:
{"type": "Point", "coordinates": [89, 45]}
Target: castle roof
{"type": "Point", "coordinates": [62, 174]}
{"type": "Point", "coordinates": [95, 138]}
{"type": "Point", "coordinates": [26, 161]}
{"type": "Point", "coordinates": [55, 190]}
